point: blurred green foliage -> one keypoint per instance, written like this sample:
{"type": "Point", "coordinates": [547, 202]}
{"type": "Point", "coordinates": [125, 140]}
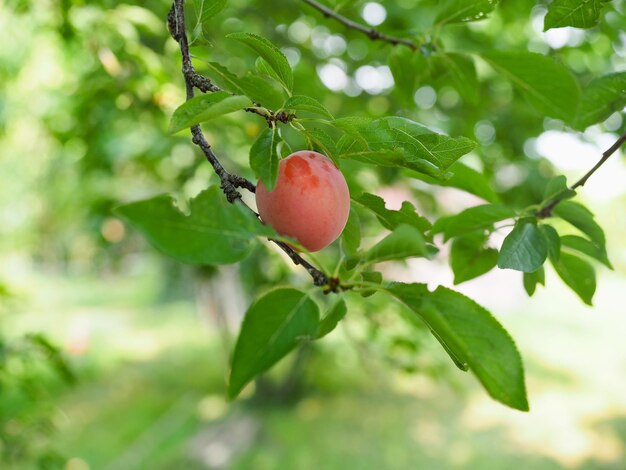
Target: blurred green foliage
{"type": "Point", "coordinates": [87, 92]}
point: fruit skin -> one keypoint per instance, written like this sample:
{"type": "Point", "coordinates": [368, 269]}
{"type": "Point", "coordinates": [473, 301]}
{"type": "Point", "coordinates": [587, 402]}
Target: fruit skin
{"type": "Point", "coordinates": [311, 200]}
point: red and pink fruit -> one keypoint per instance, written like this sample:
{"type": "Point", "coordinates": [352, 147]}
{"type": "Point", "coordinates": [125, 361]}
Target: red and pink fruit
{"type": "Point", "coordinates": [310, 202]}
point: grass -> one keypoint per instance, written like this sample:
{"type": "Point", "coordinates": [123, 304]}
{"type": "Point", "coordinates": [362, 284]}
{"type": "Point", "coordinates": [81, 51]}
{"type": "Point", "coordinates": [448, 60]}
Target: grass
{"type": "Point", "coordinates": [152, 384]}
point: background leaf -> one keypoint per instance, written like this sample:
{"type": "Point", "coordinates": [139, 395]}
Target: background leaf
{"type": "Point", "coordinates": [462, 73]}
{"type": "Point", "coordinates": [209, 8]}
{"type": "Point", "coordinates": [463, 177]}
{"type": "Point", "coordinates": [601, 98]}
{"type": "Point", "coordinates": [548, 85]}
{"type": "Point", "coordinates": [469, 258]}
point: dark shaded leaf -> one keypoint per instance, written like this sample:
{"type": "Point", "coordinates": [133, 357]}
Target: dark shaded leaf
{"type": "Point", "coordinates": [601, 98]}
{"type": "Point", "coordinates": [524, 249]}
{"type": "Point", "coordinates": [532, 279]}
{"type": "Point", "coordinates": [273, 327]}
{"type": "Point", "coordinates": [332, 318]}
{"type": "Point", "coordinates": [577, 274]}
{"type": "Point", "coordinates": [264, 159]}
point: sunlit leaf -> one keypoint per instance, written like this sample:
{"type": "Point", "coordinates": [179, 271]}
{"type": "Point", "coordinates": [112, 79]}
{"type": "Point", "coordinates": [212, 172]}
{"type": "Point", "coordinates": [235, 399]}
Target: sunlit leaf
{"type": "Point", "coordinates": [270, 53]}
{"type": "Point", "coordinates": [204, 107]}
{"type": "Point", "coordinates": [472, 336]}
{"type": "Point", "coordinates": [214, 231]}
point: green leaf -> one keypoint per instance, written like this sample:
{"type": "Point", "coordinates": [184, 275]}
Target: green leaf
{"type": "Point", "coordinates": [391, 219]}
{"type": "Point", "coordinates": [204, 107]}
{"type": "Point", "coordinates": [576, 13]}
{"type": "Point", "coordinates": [548, 85]}
{"type": "Point", "coordinates": [472, 219]}
{"type": "Point", "coordinates": [584, 246]}
{"type": "Point", "coordinates": [407, 68]}
{"type": "Point", "coordinates": [330, 321]}
{"type": "Point", "coordinates": [532, 279]}
{"type": "Point", "coordinates": [254, 87]}
{"type": "Point", "coordinates": [460, 11]}
{"type": "Point", "coordinates": [469, 258]}
{"type": "Point", "coordinates": [577, 274]}
{"type": "Point", "coordinates": [272, 327]}
{"type": "Point", "coordinates": [270, 53]}
{"type": "Point", "coordinates": [557, 189]}
{"type": "Point", "coordinates": [472, 336]}
{"type": "Point", "coordinates": [581, 218]}
{"type": "Point", "coordinates": [601, 98]}
{"type": "Point", "coordinates": [465, 178]}
{"type": "Point", "coordinates": [322, 142]}
{"type": "Point", "coordinates": [404, 242]}
{"type": "Point", "coordinates": [263, 68]}
{"type": "Point", "coordinates": [552, 239]}
{"type": "Point", "coordinates": [462, 72]}
{"type": "Point", "coordinates": [372, 277]}
{"type": "Point", "coordinates": [264, 157]}
{"type": "Point", "coordinates": [209, 8]}
{"type": "Point", "coordinates": [214, 232]}
{"type": "Point", "coordinates": [306, 103]}
{"type": "Point", "coordinates": [420, 143]}
{"type": "Point", "coordinates": [524, 249]}
{"type": "Point", "coordinates": [402, 143]}
{"type": "Point", "coordinates": [351, 235]}
{"type": "Point", "coordinates": [284, 149]}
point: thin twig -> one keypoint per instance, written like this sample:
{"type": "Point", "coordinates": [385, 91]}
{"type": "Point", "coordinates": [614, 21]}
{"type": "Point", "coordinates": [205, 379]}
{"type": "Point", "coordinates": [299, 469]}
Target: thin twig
{"type": "Point", "coordinates": [371, 33]}
{"type": "Point", "coordinates": [546, 211]}
{"type": "Point", "coordinates": [204, 84]}
{"type": "Point", "coordinates": [228, 182]}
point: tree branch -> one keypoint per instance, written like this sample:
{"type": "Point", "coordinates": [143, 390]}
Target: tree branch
{"type": "Point", "coordinates": [228, 182]}
{"type": "Point", "coordinates": [371, 33]}
{"type": "Point", "coordinates": [546, 211]}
